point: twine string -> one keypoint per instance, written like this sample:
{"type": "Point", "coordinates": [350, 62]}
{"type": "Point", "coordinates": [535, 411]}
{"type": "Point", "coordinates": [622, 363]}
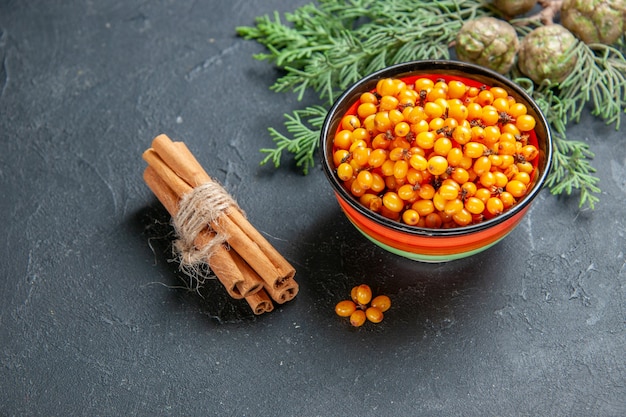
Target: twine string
{"type": "Point", "coordinates": [196, 211]}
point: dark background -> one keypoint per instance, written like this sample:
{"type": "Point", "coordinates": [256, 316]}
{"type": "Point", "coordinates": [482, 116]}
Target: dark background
{"type": "Point", "coordinates": [95, 321]}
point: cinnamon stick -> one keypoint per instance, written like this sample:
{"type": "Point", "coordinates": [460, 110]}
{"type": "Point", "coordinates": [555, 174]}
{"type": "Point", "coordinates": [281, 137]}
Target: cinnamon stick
{"type": "Point", "coordinates": [180, 169]}
{"type": "Point", "coordinates": [239, 280]}
{"type": "Point", "coordinates": [260, 302]}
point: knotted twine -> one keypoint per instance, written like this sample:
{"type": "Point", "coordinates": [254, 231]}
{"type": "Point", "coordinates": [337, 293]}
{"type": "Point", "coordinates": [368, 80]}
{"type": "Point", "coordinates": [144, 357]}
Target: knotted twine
{"type": "Point", "coordinates": [197, 210]}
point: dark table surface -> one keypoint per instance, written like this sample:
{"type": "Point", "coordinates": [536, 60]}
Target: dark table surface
{"type": "Point", "coordinates": [95, 320]}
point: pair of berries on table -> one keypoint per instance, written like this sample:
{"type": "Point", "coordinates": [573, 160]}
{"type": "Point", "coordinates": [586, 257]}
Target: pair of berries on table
{"type": "Point", "coordinates": [362, 306]}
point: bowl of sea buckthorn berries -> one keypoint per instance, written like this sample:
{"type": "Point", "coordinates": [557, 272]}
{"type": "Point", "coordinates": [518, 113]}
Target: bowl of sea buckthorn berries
{"type": "Point", "coordinates": [435, 160]}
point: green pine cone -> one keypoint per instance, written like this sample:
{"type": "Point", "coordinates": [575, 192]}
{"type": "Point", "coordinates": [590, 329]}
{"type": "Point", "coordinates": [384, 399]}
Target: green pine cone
{"type": "Point", "coordinates": [545, 54]}
{"type": "Point", "coordinates": [489, 42]}
{"type": "Point", "coordinates": [595, 21]}
{"type": "Point", "coordinates": [512, 8]}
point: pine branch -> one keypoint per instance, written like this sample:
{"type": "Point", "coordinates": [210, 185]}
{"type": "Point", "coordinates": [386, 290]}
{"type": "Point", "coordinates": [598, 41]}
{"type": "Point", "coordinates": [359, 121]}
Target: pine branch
{"type": "Point", "coordinates": [304, 126]}
{"type": "Point", "coordinates": [328, 45]}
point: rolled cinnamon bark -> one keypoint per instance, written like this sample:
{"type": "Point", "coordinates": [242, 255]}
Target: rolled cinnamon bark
{"type": "Point", "coordinates": [238, 280]}
{"type": "Point", "coordinates": [260, 302]}
{"type": "Point", "coordinates": [182, 172]}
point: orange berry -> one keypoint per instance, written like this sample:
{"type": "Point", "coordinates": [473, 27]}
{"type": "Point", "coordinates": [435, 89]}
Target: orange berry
{"type": "Point", "coordinates": [345, 308]}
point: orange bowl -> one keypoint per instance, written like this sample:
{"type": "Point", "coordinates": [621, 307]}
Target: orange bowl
{"type": "Point", "coordinates": [427, 244]}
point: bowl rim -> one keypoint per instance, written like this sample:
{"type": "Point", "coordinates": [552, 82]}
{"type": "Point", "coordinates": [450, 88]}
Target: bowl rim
{"type": "Point", "coordinates": [431, 67]}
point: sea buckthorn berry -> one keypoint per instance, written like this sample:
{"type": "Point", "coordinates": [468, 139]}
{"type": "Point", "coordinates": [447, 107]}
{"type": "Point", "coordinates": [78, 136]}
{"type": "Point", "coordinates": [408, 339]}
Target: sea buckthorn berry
{"type": "Point", "coordinates": [363, 294]}
{"type": "Point", "coordinates": [517, 110]}
{"type": "Point", "coordinates": [449, 124]}
{"type": "Point", "coordinates": [340, 156]}
{"type": "Point", "coordinates": [491, 134]}
{"type": "Point", "coordinates": [425, 140]}
{"type": "Point", "coordinates": [423, 207]}
{"type": "Point", "coordinates": [345, 308]}
{"type": "Point", "coordinates": [374, 314]}
{"type": "Point", "coordinates": [453, 206]}
{"type": "Point", "coordinates": [474, 205]}
{"type": "Point", "coordinates": [361, 155]}
{"type": "Point", "coordinates": [439, 202]}
{"type": "Point", "coordinates": [456, 89]}
{"type": "Point", "coordinates": [499, 92]}
{"type": "Point", "coordinates": [426, 191]}
{"type": "Point", "coordinates": [395, 116]}
{"type": "Point", "coordinates": [414, 177]}
{"type": "Point", "coordinates": [454, 157]}
{"type": "Point", "coordinates": [419, 127]}
{"type": "Point", "coordinates": [483, 194]}
{"type": "Point", "coordinates": [345, 171]}
{"type": "Point", "coordinates": [494, 206]}
{"type": "Point", "coordinates": [402, 129]}
{"type": "Point", "coordinates": [424, 84]}
{"type": "Point", "coordinates": [507, 199]}
{"type": "Point", "coordinates": [397, 154]}
{"type": "Point", "coordinates": [377, 158]}
{"type": "Point", "coordinates": [433, 221]}
{"type": "Point", "coordinates": [371, 201]}
{"type": "Point", "coordinates": [516, 187]}
{"type": "Point", "coordinates": [437, 92]}
{"type": "Point", "coordinates": [474, 149]}
{"type": "Point", "coordinates": [462, 217]}
{"type": "Point", "coordinates": [501, 104]}
{"type": "Point", "coordinates": [433, 109]}
{"type": "Point", "coordinates": [487, 179]}
{"type": "Point", "coordinates": [525, 122]}
{"type": "Point", "coordinates": [437, 165]}
{"type": "Point", "coordinates": [410, 217]}
{"type": "Point", "coordinates": [382, 121]}
{"type": "Point", "coordinates": [468, 189]}
{"type": "Point", "coordinates": [366, 109]}
{"type": "Point", "coordinates": [365, 179]}
{"type": "Point", "coordinates": [343, 139]}
{"type": "Point", "coordinates": [358, 318]}
{"type": "Point", "coordinates": [449, 192]}
{"type": "Point", "coordinates": [530, 152]}
{"type": "Point", "coordinates": [481, 165]}
{"type": "Point", "coordinates": [378, 185]}
{"type": "Point", "coordinates": [418, 162]}
{"type": "Point", "coordinates": [489, 115]}
{"type": "Point", "coordinates": [381, 141]}
{"type": "Point", "coordinates": [525, 167]}
{"type": "Point", "coordinates": [407, 192]}
{"type": "Point", "coordinates": [361, 133]}
{"type": "Point", "coordinates": [436, 125]}
{"type": "Point", "coordinates": [460, 175]}
{"type": "Point", "coordinates": [392, 202]}
{"type": "Point", "coordinates": [386, 169]}
{"type": "Point", "coordinates": [506, 148]}
{"type": "Point", "coordinates": [368, 97]}
{"type": "Point", "coordinates": [501, 179]}
{"type": "Point", "coordinates": [381, 302]}
{"type": "Point", "coordinates": [462, 134]}
{"type": "Point", "coordinates": [436, 153]}
{"type": "Point", "coordinates": [356, 189]}
{"type": "Point", "coordinates": [511, 129]}
{"type": "Point", "coordinates": [523, 177]}
{"type": "Point", "coordinates": [400, 168]}
{"type": "Point", "coordinates": [485, 98]}
{"type": "Point", "coordinates": [388, 103]}
{"type": "Point", "coordinates": [442, 146]}
{"type": "Point", "coordinates": [353, 293]}
{"type": "Point", "coordinates": [386, 87]}
{"type": "Point", "coordinates": [350, 122]}
{"type": "Point", "coordinates": [416, 114]}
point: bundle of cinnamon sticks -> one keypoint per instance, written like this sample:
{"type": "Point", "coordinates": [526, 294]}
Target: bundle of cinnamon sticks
{"type": "Point", "coordinates": [247, 265]}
